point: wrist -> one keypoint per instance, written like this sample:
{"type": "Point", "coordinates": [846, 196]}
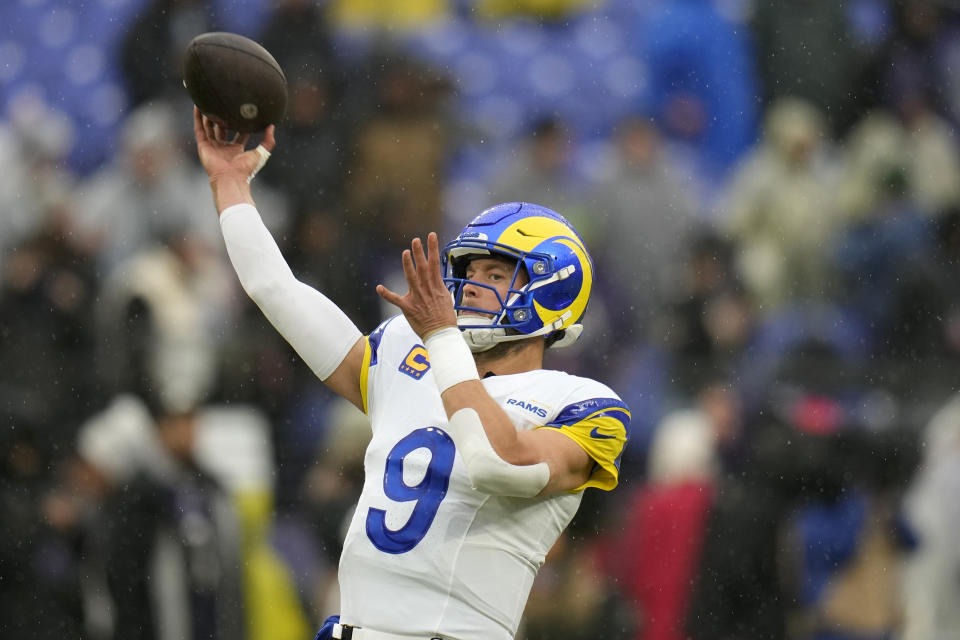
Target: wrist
{"type": "Point", "coordinates": [228, 191]}
{"type": "Point", "coordinates": [450, 358]}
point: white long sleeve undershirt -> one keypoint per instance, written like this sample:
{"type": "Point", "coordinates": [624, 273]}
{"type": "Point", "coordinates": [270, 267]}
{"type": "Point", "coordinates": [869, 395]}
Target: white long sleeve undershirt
{"type": "Point", "coordinates": [318, 330]}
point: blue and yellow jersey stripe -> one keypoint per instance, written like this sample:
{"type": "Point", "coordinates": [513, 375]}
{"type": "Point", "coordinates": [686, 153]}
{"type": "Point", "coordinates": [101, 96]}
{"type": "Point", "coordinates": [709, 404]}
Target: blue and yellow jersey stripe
{"type": "Point", "coordinates": [368, 353]}
{"type": "Point", "coordinates": [371, 350]}
{"type": "Point", "coordinates": [600, 427]}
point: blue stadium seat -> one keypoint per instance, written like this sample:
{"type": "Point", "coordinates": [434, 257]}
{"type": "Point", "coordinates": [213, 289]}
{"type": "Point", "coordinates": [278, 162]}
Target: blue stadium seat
{"type": "Point", "coordinates": [584, 69]}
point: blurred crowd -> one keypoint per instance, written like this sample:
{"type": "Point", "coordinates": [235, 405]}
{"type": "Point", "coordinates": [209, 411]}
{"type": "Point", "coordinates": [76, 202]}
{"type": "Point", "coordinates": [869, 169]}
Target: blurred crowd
{"type": "Point", "coordinates": [776, 232]}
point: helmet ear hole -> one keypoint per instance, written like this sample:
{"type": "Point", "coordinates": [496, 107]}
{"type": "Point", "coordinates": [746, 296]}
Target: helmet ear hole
{"type": "Point", "coordinates": [566, 337]}
{"type": "Point", "coordinates": [555, 337]}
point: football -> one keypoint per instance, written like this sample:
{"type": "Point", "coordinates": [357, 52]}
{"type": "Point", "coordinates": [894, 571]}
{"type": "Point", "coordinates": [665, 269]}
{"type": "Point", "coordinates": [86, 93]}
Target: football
{"type": "Point", "coordinates": [234, 81]}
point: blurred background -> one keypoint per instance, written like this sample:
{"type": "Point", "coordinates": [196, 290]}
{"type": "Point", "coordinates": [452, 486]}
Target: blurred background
{"type": "Point", "coordinates": [771, 193]}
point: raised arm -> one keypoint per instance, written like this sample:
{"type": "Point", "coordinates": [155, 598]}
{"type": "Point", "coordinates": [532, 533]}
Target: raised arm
{"type": "Point", "coordinates": [315, 327]}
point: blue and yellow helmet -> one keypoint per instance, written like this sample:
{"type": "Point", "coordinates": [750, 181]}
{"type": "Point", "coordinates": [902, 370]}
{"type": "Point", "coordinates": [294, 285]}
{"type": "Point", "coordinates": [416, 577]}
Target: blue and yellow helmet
{"type": "Point", "coordinates": [558, 267]}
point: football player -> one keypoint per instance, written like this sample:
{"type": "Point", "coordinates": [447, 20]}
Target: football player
{"type": "Point", "coordinates": [479, 457]}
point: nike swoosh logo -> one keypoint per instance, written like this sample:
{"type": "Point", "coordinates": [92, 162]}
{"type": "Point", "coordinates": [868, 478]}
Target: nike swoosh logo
{"type": "Point", "coordinates": [594, 433]}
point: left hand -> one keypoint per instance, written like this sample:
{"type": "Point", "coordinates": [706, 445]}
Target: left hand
{"type": "Point", "coordinates": [428, 305]}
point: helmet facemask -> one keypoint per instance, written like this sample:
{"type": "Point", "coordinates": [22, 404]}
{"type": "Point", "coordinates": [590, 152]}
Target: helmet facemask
{"type": "Point", "coordinates": [517, 317]}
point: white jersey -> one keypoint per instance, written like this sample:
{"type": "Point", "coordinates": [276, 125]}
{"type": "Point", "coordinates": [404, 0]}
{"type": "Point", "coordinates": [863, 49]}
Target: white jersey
{"type": "Point", "coordinates": [426, 554]}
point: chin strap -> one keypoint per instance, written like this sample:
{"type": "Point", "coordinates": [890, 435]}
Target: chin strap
{"type": "Point", "coordinates": [482, 339]}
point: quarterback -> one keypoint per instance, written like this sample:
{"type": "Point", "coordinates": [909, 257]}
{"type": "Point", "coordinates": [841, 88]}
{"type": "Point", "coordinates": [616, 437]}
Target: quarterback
{"type": "Point", "coordinates": [479, 456]}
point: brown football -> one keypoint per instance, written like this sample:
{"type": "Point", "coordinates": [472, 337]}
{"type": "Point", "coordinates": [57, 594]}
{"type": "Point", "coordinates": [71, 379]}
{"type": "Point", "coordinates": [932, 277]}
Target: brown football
{"type": "Point", "coordinates": [234, 81]}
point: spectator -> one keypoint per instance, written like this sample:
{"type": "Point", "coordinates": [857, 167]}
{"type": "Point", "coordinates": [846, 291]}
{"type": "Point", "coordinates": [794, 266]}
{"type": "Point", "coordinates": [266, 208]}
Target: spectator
{"type": "Point", "coordinates": [932, 158]}
{"type": "Point", "coordinates": [655, 556]}
{"type": "Point", "coordinates": [925, 318]}
{"type": "Point", "coordinates": [161, 317]}
{"type": "Point", "coordinates": [874, 152]}
{"type": "Point", "coordinates": [331, 488]}
{"type": "Point", "coordinates": [541, 170]}
{"type": "Point", "coordinates": [48, 293]}
{"type": "Point", "coordinates": [806, 50]}
{"type": "Point", "coordinates": [402, 149]}
{"type": "Point", "coordinates": [702, 84]}
{"type": "Point", "coordinates": [296, 33]}
{"type": "Point", "coordinates": [913, 64]}
{"type": "Point", "coordinates": [708, 318]}
{"type": "Point", "coordinates": [40, 558]}
{"type": "Point", "coordinates": [151, 51]}
{"type": "Point", "coordinates": [394, 188]}
{"type": "Point", "coordinates": [167, 533]}
{"type": "Point", "coordinates": [308, 167]}
{"type": "Point", "coordinates": [872, 253]}
{"type": "Point", "coordinates": [853, 555]}
{"type": "Point", "coordinates": [572, 597]}
{"type": "Point", "coordinates": [34, 182]}
{"type": "Point", "coordinates": [149, 189]}
{"type": "Point", "coordinates": [232, 444]}
{"type": "Point", "coordinates": [931, 590]}
{"type": "Point", "coordinates": [882, 143]}
{"type": "Point", "coordinates": [779, 213]}
{"type": "Point", "coordinates": [645, 217]}
{"type": "Point", "coordinates": [741, 587]}
{"type": "Point", "coordinates": [151, 55]}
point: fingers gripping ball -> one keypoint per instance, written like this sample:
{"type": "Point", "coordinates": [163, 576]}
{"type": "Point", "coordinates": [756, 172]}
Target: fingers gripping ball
{"type": "Point", "coordinates": [234, 81]}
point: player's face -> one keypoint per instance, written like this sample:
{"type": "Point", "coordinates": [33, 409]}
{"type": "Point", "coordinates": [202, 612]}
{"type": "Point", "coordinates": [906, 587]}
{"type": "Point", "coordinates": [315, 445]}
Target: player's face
{"type": "Point", "coordinates": [493, 272]}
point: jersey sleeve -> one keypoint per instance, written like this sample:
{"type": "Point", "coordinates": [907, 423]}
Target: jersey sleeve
{"type": "Point", "coordinates": [600, 426]}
